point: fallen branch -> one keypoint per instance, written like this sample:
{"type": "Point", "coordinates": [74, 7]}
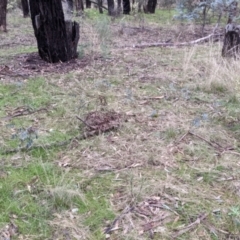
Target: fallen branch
{"type": "Point", "coordinates": [167, 44]}
{"type": "Point", "coordinates": [205, 140]}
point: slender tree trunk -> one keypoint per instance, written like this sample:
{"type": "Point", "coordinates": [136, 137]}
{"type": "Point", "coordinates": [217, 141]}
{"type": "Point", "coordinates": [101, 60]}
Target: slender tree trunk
{"type": "Point", "coordinates": [3, 15]}
{"type": "Point", "coordinates": [119, 6]}
{"type": "Point", "coordinates": [88, 4]}
{"type": "Point", "coordinates": [79, 7]}
{"type": "Point", "coordinates": [25, 8]}
{"type": "Point", "coordinates": [126, 7]}
{"type": "Point", "coordinates": [204, 18]}
{"type": "Point", "coordinates": [111, 7]}
{"type": "Point", "coordinates": [133, 5]}
{"type": "Point", "coordinates": [140, 6]}
{"type": "Point", "coordinates": [57, 36]}
{"type": "Point", "coordinates": [100, 6]}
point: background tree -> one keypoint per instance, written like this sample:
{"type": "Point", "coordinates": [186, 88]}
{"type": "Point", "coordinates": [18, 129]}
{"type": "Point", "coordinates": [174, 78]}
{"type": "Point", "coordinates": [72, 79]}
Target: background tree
{"type": "Point", "coordinates": [111, 10]}
{"type": "Point", "coordinates": [57, 36]}
{"type": "Point", "coordinates": [119, 6]}
{"type": "Point", "coordinates": [151, 6]}
{"type": "Point", "coordinates": [3, 15]}
{"type": "Point", "coordinates": [25, 8]}
{"type": "Point", "coordinates": [100, 3]}
{"type": "Point", "coordinates": [126, 7]}
{"type": "Point", "coordinates": [88, 3]}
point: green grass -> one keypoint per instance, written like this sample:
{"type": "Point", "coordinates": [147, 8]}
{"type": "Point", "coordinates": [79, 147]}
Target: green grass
{"type": "Point", "coordinates": [32, 193]}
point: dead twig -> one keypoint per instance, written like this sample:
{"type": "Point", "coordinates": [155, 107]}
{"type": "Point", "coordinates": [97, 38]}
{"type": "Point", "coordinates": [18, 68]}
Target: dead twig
{"type": "Point", "coordinates": [182, 137]}
{"type": "Point", "coordinates": [112, 225]}
{"type": "Point", "coordinates": [93, 128]}
{"type": "Point", "coordinates": [230, 152]}
{"type": "Point", "coordinates": [221, 149]}
{"type": "Point", "coordinates": [205, 140]}
{"type": "Point", "coordinates": [191, 226]}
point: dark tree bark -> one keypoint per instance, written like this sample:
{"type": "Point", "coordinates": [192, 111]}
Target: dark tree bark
{"type": "Point", "coordinates": [100, 6]}
{"type": "Point", "coordinates": [231, 44]}
{"type": "Point", "coordinates": [151, 6]}
{"type": "Point", "coordinates": [79, 6]}
{"type": "Point", "coordinates": [88, 4]}
{"type": "Point", "coordinates": [110, 7]}
{"type": "Point", "coordinates": [57, 36]}
{"type": "Point", "coordinates": [3, 15]}
{"type": "Point", "coordinates": [25, 8]}
{"type": "Point", "coordinates": [126, 7]}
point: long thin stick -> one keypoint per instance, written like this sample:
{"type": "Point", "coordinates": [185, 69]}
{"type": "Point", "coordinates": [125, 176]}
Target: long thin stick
{"type": "Point", "coordinates": [165, 44]}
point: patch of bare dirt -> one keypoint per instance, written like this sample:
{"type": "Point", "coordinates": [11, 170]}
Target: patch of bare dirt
{"type": "Point", "coordinates": [26, 65]}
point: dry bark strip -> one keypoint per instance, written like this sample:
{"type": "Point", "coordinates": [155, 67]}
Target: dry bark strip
{"type": "Point", "coordinates": [166, 44]}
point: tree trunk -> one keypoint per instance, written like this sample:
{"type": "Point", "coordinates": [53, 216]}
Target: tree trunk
{"type": "Point", "coordinates": [3, 15]}
{"type": "Point", "coordinates": [88, 4]}
{"type": "Point", "coordinates": [231, 44]}
{"type": "Point", "coordinates": [111, 7]}
{"type": "Point", "coordinates": [100, 6]}
{"type": "Point", "coordinates": [57, 36]}
{"type": "Point", "coordinates": [232, 11]}
{"type": "Point", "coordinates": [133, 5]}
{"type": "Point", "coordinates": [119, 6]}
{"type": "Point", "coordinates": [25, 8]}
{"type": "Point", "coordinates": [79, 7]}
{"type": "Point", "coordinates": [126, 7]}
{"type": "Point", "coordinates": [151, 6]}
{"type": "Point", "coordinates": [140, 6]}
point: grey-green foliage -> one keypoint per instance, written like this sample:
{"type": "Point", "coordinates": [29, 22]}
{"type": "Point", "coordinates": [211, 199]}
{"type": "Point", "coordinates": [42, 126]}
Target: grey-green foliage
{"type": "Point", "coordinates": [191, 9]}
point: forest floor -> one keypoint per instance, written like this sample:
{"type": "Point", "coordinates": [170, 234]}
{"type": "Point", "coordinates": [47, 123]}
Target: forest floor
{"type": "Point", "coordinates": [123, 142]}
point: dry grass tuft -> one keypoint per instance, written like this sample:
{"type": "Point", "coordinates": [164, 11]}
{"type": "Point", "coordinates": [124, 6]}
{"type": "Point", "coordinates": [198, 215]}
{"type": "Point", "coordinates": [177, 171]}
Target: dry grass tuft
{"type": "Point", "coordinates": [69, 225]}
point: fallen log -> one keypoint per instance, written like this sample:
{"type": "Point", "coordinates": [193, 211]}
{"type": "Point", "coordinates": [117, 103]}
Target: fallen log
{"type": "Point", "coordinates": [169, 44]}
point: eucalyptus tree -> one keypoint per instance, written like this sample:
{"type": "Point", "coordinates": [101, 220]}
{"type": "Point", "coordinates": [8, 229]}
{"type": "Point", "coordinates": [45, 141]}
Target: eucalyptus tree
{"type": "Point", "coordinates": [25, 8]}
{"type": "Point", "coordinates": [3, 15]}
{"type": "Point", "coordinates": [57, 36]}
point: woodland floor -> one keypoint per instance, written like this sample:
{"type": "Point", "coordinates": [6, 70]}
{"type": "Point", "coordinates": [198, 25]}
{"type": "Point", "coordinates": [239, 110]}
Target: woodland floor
{"type": "Point", "coordinates": [122, 142]}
